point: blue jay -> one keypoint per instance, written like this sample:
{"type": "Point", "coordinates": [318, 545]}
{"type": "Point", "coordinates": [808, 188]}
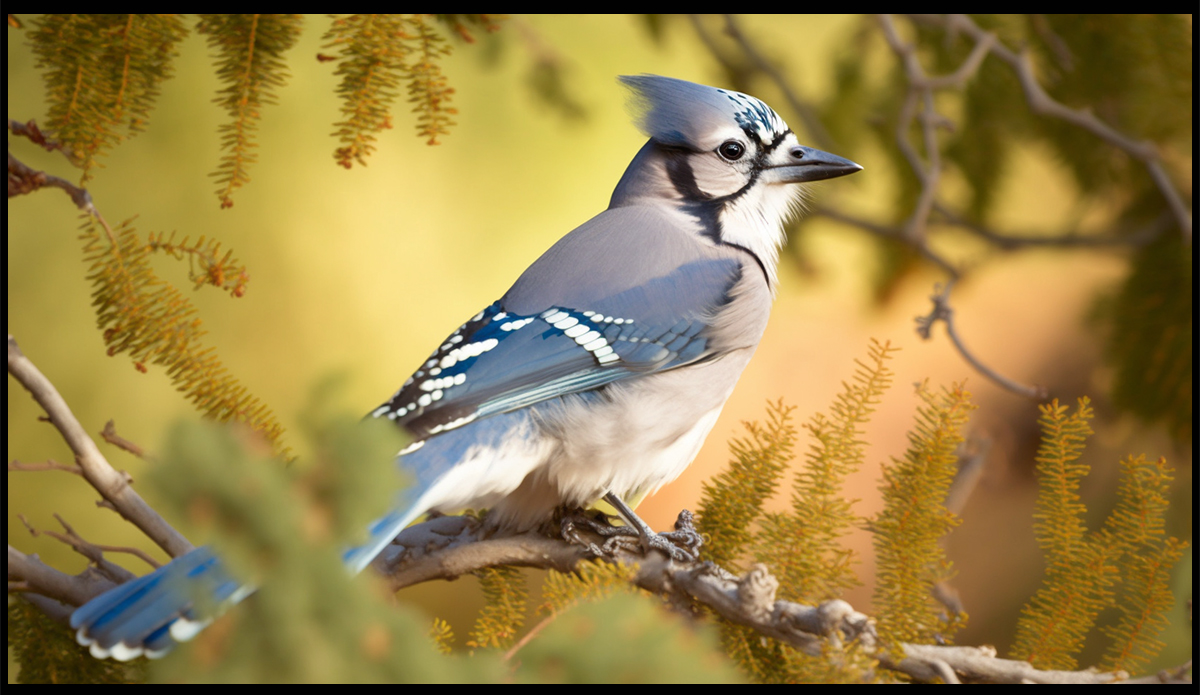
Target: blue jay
{"type": "Point", "coordinates": [597, 375]}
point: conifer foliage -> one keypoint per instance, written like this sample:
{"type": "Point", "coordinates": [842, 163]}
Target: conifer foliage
{"type": "Point", "coordinates": [1125, 564]}
{"type": "Point", "coordinates": [103, 74]}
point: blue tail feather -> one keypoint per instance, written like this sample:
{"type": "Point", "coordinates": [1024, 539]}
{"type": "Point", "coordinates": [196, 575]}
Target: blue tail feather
{"type": "Point", "coordinates": [151, 614]}
{"type": "Point", "coordinates": [136, 618]}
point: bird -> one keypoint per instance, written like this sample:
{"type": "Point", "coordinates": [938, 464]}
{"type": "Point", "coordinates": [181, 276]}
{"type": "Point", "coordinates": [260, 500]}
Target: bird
{"type": "Point", "coordinates": [596, 376]}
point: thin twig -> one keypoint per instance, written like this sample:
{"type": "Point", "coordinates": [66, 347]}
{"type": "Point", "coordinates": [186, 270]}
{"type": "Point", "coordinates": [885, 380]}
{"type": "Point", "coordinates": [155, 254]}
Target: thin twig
{"type": "Point", "coordinates": [113, 485]}
{"type": "Point", "coordinates": [48, 465]}
{"type": "Point", "coordinates": [890, 233]}
{"type": "Point", "coordinates": [109, 433]}
{"type": "Point", "coordinates": [528, 637]}
{"type": "Point", "coordinates": [942, 312]}
{"type": "Point", "coordinates": [1009, 241]}
{"type": "Point", "coordinates": [921, 89]}
{"type": "Point", "coordinates": [1042, 103]}
{"type": "Point", "coordinates": [30, 131]}
{"type": "Point", "coordinates": [23, 179]}
{"type": "Point", "coordinates": [92, 551]}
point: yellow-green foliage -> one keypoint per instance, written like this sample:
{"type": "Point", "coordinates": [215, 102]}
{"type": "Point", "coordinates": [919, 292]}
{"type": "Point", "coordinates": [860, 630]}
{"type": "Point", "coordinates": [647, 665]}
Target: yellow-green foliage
{"type": "Point", "coordinates": [148, 318]}
{"type": "Point", "coordinates": [1137, 525]}
{"type": "Point", "coordinates": [249, 52]}
{"type": "Point", "coordinates": [591, 581]}
{"type": "Point", "coordinates": [804, 548]}
{"type": "Point", "coordinates": [732, 502]}
{"type": "Point", "coordinates": [442, 635]}
{"type": "Point", "coordinates": [801, 545]}
{"type": "Point", "coordinates": [206, 265]}
{"type": "Point", "coordinates": [428, 90]}
{"type": "Point", "coordinates": [47, 653]}
{"type": "Point", "coordinates": [284, 528]}
{"type": "Point", "coordinates": [908, 532]}
{"type": "Point", "coordinates": [1079, 573]}
{"type": "Point", "coordinates": [103, 74]}
{"type": "Point", "coordinates": [623, 639]}
{"type": "Point", "coordinates": [1125, 564]}
{"type": "Point", "coordinates": [504, 613]}
{"type": "Point", "coordinates": [374, 53]}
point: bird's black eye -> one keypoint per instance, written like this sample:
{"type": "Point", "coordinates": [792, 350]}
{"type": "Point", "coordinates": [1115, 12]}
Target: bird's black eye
{"type": "Point", "coordinates": [731, 150]}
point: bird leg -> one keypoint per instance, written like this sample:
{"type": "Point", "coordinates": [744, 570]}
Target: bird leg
{"type": "Point", "coordinates": [684, 535]}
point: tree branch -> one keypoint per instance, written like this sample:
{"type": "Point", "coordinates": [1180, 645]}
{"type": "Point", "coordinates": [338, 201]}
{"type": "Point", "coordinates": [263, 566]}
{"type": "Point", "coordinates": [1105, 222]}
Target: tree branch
{"type": "Point", "coordinates": [447, 547]}
{"type": "Point", "coordinates": [113, 485]}
{"type": "Point", "coordinates": [942, 312]}
{"type": "Point", "coordinates": [1042, 103]}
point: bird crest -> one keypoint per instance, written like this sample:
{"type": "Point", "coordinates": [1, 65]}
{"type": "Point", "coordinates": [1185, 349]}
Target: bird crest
{"type": "Point", "coordinates": [680, 113]}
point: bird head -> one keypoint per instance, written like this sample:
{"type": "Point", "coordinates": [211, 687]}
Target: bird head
{"type": "Point", "coordinates": [723, 158]}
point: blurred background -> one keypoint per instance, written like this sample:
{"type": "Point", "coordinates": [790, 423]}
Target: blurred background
{"type": "Point", "coordinates": [362, 272]}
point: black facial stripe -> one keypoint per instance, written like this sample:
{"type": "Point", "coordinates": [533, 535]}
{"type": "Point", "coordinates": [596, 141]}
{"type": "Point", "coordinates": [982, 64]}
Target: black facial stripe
{"type": "Point", "coordinates": [683, 178]}
{"type": "Point", "coordinates": [756, 171]}
{"type": "Point", "coordinates": [779, 138]}
{"type": "Point", "coordinates": [757, 260]}
{"type": "Point", "coordinates": [703, 206]}
{"type": "Point", "coordinates": [697, 203]}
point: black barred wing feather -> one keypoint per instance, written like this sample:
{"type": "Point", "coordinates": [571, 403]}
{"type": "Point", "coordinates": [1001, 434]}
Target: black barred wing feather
{"type": "Point", "coordinates": [499, 361]}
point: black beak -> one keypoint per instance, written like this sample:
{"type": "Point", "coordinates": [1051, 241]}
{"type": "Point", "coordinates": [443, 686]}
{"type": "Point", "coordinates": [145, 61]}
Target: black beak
{"type": "Point", "coordinates": [808, 164]}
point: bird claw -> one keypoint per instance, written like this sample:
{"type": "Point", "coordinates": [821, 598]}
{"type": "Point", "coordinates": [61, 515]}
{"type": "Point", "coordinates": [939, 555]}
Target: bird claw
{"type": "Point", "coordinates": [570, 532]}
{"type": "Point", "coordinates": [685, 533]}
{"type": "Point", "coordinates": [680, 545]}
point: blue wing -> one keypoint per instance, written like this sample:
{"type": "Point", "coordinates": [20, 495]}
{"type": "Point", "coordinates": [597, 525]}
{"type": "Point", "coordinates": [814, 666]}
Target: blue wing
{"type": "Point", "coordinates": [628, 293]}
{"type": "Point", "coordinates": [501, 361]}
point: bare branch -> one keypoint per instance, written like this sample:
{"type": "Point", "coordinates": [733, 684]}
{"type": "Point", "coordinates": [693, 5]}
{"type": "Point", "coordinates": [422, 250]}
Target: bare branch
{"type": "Point", "coordinates": [980, 665]}
{"type": "Point", "coordinates": [93, 552]}
{"type": "Point", "coordinates": [447, 547]}
{"type": "Point", "coordinates": [110, 435]}
{"type": "Point", "coordinates": [1009, 241]}
{"type": "Point", "coordinates": [942, 312]}
{"type": "Point", "coordinates": [37, 577]}
{"type": "Point", "coordinates": [1042, 103]}
{"type": "Point", "coordinates": [23, 179]}
{"type": "Point", "coordinates": [889, 233]}
{"type": "Point", "coordinates": [921, 89]}
{"type": "Point", "coordinates": [48, 465]}
{"type": "Point", "coordinates": [110, 483]}
{"type": "Point", "coordinates": [30, 131]}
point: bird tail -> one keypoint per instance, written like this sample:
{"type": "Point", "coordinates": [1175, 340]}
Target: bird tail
{"type": "Point", "coordinates": [150, 614]}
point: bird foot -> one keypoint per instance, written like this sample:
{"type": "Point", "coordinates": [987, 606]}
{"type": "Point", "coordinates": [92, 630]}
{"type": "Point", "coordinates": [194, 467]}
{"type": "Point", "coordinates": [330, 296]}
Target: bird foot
{"type": "Point", "coordinates": [570, 530]}
{"type": "Point", "coordinates": [680, 545]}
